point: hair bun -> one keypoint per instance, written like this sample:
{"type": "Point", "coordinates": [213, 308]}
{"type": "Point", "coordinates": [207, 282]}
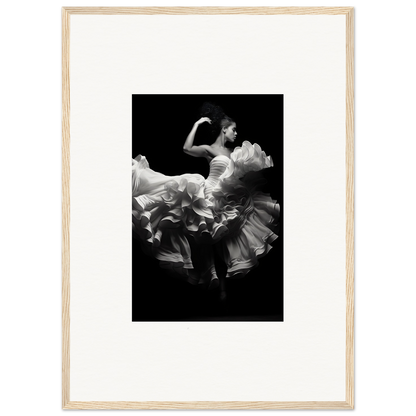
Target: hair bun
{"type": "Point", "coordinates": [213, 111]}
{"type": "Point", "coordinates": [218, 118]}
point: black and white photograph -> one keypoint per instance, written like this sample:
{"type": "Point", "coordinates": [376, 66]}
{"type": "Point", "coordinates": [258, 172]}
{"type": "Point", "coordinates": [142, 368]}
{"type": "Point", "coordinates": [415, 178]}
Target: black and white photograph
{"type": "Point", "coordinates": [207, 208]}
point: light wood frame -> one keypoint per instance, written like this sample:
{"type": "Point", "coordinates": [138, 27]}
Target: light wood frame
{"type": "Point", "coordinates": [349, 155]}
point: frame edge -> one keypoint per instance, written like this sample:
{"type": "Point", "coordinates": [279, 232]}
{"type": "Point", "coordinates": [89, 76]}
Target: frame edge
{"type": "Point", "coordinates": [349, 381]}
{"type": "Point", "coordinates": [330, 405]}
{"type": "Point", "coordinates": [65, 208]}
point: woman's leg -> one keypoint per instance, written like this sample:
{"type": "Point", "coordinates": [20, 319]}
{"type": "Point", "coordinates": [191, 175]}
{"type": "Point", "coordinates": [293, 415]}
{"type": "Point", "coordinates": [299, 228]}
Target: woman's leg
{"type": "Point", "coordinates": [210, 273]}
{"type": "Point", "coordinates": [223, 292]}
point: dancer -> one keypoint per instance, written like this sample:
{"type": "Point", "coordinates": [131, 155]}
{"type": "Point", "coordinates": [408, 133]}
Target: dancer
{"type": "Point", "coordinates": [227, 210]}
{"type": "Point", "coordinates": [233, 189]}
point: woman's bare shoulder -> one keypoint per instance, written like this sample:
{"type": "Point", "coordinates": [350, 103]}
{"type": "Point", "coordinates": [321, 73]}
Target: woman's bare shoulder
{"type": "Point", "coordinates": [213, 151]}
{"type": "Point", "coordinates": [224, 151]}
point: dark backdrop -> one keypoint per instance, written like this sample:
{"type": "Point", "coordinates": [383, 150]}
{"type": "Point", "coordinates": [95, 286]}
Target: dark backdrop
{"type": "Point", "coordinates": [160, 125]}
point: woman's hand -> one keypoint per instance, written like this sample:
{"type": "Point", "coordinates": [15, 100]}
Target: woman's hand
{"type": "Point", "coordinates": [203, 120]}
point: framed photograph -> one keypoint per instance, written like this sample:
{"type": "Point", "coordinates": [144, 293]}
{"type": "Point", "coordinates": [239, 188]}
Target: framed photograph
{"type": "Point", "coordinates": [227, 282]}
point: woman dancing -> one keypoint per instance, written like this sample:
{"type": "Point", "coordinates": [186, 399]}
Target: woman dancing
{"type": "Point", "coordinates": [227, 210]}
{"type": "Point", "coordinates": [233, 190]}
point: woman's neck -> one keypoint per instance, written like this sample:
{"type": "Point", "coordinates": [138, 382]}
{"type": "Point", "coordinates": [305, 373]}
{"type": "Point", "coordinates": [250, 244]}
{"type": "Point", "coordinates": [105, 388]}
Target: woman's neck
{"type": "Point", "coordinates": [220, 141]}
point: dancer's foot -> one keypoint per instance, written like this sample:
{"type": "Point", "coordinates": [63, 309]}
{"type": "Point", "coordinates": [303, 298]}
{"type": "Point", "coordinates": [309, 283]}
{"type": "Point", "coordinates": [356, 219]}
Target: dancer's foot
{"type": "Point", "coordinates": [211, 276]}
{"type": "Point", "coordinates": [214, 283]}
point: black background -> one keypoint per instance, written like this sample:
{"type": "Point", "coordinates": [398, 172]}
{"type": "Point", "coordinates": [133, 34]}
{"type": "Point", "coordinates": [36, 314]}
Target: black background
{"type": "Point", "coordinates": [160, 125]}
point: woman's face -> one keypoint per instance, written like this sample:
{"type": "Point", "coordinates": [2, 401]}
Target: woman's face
{"type": "Point", "coordinates": [231, 133]}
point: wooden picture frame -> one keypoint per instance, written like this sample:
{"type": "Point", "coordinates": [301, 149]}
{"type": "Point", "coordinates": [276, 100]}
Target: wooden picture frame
{"type": "Point", "coordinates": [348, 14]}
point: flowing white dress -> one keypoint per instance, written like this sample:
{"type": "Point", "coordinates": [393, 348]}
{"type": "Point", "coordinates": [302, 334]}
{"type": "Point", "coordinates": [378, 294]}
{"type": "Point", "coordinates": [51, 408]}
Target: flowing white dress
{"type": "Point", "coordinates": [227, 209]}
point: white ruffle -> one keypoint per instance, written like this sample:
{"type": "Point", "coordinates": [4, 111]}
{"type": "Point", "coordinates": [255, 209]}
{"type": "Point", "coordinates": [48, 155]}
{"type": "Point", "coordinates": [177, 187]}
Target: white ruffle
{"type": "Point", "coordinates": [228, 207]}
{"type": "Point", "coordinates": [247, 158]}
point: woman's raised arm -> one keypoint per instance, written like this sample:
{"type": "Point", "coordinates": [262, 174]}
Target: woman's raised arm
{"type": "Point", "coordinates": [189, 148]}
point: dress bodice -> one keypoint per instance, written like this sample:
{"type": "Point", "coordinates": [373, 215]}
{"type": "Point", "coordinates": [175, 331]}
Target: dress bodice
{"type": "Point", "coordinates": [217, 167]}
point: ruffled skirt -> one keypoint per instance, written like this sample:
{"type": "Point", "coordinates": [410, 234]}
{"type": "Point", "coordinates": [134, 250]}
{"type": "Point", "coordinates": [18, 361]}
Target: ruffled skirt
{"type": "Point", "coordinates": [178, 219]}
{"type": "Point", "coordinates": [251, 217]}
{"type": "Point", "coordinates": [168, 213]}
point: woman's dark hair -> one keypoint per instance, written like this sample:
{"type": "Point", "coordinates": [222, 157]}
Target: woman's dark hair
{"type": "Point", "coordinates": [217, 115]}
